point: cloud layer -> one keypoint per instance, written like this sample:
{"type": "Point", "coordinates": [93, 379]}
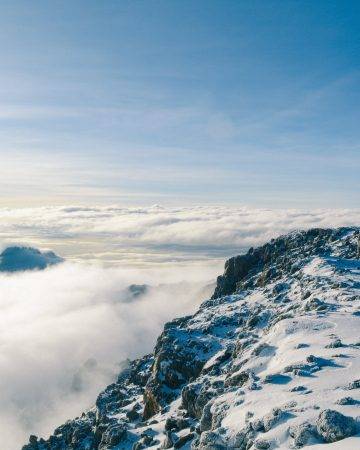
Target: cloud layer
{"type": "Point", "coordinates": [65, 332]}
{"type": "Point", "coordinates": [150, 235]}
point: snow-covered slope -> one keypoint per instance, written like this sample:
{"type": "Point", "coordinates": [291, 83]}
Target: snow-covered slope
{"type": "Point", "coordinates": [272, 360]}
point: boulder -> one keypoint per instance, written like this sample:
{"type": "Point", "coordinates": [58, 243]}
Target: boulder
{"type": "Point", "coordinates": [270, 419]}
{"type": "Point", "coordinates": [333, 426]}
{"type": "Point", "coordinates": [302, 433]}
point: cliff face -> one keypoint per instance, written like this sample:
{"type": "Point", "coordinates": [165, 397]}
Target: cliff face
{"type": "Point", "coordinates": [270, 361]}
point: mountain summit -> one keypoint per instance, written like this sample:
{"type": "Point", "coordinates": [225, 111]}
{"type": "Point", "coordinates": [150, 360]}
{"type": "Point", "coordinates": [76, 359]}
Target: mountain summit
{"type": "Point", "coordinates": [16, 259]}
{"type": "Point", "coordinates": [271, 361]}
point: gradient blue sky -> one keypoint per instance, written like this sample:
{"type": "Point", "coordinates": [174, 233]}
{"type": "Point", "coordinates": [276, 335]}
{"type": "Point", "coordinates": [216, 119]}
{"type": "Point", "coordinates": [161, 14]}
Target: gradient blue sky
{"type": "Point", "coordinates": [159, 101]}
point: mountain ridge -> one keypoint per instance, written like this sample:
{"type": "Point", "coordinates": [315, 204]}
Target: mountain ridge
{"type": "Point", "coordinates": [280, 323]}
{"type": "Point", "coordinates": [20, 258]}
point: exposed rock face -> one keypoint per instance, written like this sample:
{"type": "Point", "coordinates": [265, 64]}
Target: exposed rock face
{"type": "Point", "coordinates": [15, 259]}
{"type": "Point", "coordinates": [334, 426]}
{"type": "Point", "coordinates": [264, 361]}
{"type": "Point", "coordinates": [302, 434]}
{"type": "Point", "coordinates": [270, 260]}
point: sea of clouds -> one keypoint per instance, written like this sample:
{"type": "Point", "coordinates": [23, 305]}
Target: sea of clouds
{"type": "Point", "coordinates": [65, 331]}
{"type": "Point", "coordinates": [152, 235]}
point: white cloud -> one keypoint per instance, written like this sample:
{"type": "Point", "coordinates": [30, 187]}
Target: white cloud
{"type": "Point", "coordinates": [64, 332]}
{"type": "Point", "coordinates": [157, 234]}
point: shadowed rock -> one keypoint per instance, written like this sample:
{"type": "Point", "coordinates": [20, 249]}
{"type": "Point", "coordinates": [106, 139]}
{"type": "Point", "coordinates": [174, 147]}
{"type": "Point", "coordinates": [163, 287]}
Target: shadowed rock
{"type": "Point", "coordinates": [333, 426]}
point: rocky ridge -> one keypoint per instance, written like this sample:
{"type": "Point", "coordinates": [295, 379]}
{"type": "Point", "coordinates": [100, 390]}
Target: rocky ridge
{"type": "Point", "coordinates": [272, 360]}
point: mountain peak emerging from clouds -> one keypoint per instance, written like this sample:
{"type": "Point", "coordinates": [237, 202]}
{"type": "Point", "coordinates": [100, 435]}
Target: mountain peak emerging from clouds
{"type": "Point", "coordinates": [270, 362]}
{"type": "Point", "coordinates": [16, 259]}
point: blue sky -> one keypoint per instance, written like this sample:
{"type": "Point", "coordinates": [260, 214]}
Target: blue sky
{"type": "Point", "coordinates": [157, 101]}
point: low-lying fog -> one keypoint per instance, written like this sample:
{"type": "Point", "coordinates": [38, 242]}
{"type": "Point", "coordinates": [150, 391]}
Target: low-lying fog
{"type": "Point", "coordinates": [64, 332]}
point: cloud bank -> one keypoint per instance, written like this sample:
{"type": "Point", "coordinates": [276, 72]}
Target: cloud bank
{"type": "Point", "coordinates": [66, 330]}
{"type": "Point", "coordinates": [156, 235]}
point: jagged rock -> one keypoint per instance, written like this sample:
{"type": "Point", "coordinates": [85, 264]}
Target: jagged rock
{"type": "Point", "coordinates": [242, 438]}
{"type": "Point", "coordinates": [173, 367]}
{"type": "Point", "coordinates": [145, 441]}
{"type": "Point", "coordinates": [302, 433]}
{"type": "Point", "coordinates": [183, 440]}
{"type": "Point", "coordinates": [218, 413]}
{"type": "Point", "coordinates": [258, 425]}
{"type": "Point", "coordinates": [194, 397]}
{"type": "Point", "coordinates": [176, 423]}
{"type": "Point", "coordinates": [238, 379]}
{"type": "Point", "coordinates": [354, 384]}
{"type": "Point", "coordinates": [152, 406]}
{"type": "Point", "coordinates": [168, 442]}
{"type": "Point", "coordinates": [333, 426]}
{"type": "Point", "coordinates": [315, 304]}
{"type": "Point", "coordinates": [33, 443]}
{"type": "Point", "coordinates": [113, 435]}
{"type": "Point", "coordinates": [270, 419]}
{"type": "Point", "coordinates": [210, 440]}
{"type": "Point", "coordinates": [262, 444]}
{"type": "Point", "coordinates": [300, 388]}
{"type": "Point", "coordinates": [206, 418]}
{"type": "Point", "coordinates": [347, 401]}
{"type": "Point", "coordinates": [336, 343]}
{"type": "Point", "coordinates": [314, 241]}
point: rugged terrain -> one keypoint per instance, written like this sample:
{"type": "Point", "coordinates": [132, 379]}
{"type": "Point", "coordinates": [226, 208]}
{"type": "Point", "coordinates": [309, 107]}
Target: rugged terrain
{"type": "Point", "coordinates": [272, 360]}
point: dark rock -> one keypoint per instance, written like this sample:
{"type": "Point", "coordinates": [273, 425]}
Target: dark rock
{"type": "Point", "coordinates": [347, 401]}
{"type": "Point", "coordinates": [270, 419]}
{"type": "Point", "coordinates": [333, 426]}
{"type": "Point", "coordinates": [206, 418]}
{"type": "Point", "coordinates": [302, 433]}
{"type": "Point", "coordinates": [239, 379]}
{"type": "Point", "coordinates": [354, 384]}
{"type": "Point", "coordinates": [262, 444]}
{"type": "Point", "coordinates": [335, 344]}
{"type": "Point", "coordinates": [194, 397]}
{"type": "Point", "coordinates": [113, 435]}
{"type": "Point", "coordinates": [168, 442]}
{"type": "Point", "coordinates": [211, 440]}
{"type": "Point", "coordinates": [183, 440]}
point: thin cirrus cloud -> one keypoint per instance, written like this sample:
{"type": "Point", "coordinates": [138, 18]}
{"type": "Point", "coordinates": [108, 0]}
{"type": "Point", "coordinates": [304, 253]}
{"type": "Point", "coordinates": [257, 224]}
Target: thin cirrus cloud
{"type": "Point", "coordinates": [116, 102]}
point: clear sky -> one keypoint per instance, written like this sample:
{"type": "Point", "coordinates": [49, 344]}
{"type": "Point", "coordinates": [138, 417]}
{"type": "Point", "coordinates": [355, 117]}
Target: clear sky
{"type": "Point", "coordinates": [159, 101]}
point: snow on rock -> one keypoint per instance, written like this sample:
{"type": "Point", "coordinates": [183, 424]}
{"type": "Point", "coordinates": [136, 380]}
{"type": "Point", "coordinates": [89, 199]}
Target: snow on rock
{"type": "Point", "coordinates": [271, 361]}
